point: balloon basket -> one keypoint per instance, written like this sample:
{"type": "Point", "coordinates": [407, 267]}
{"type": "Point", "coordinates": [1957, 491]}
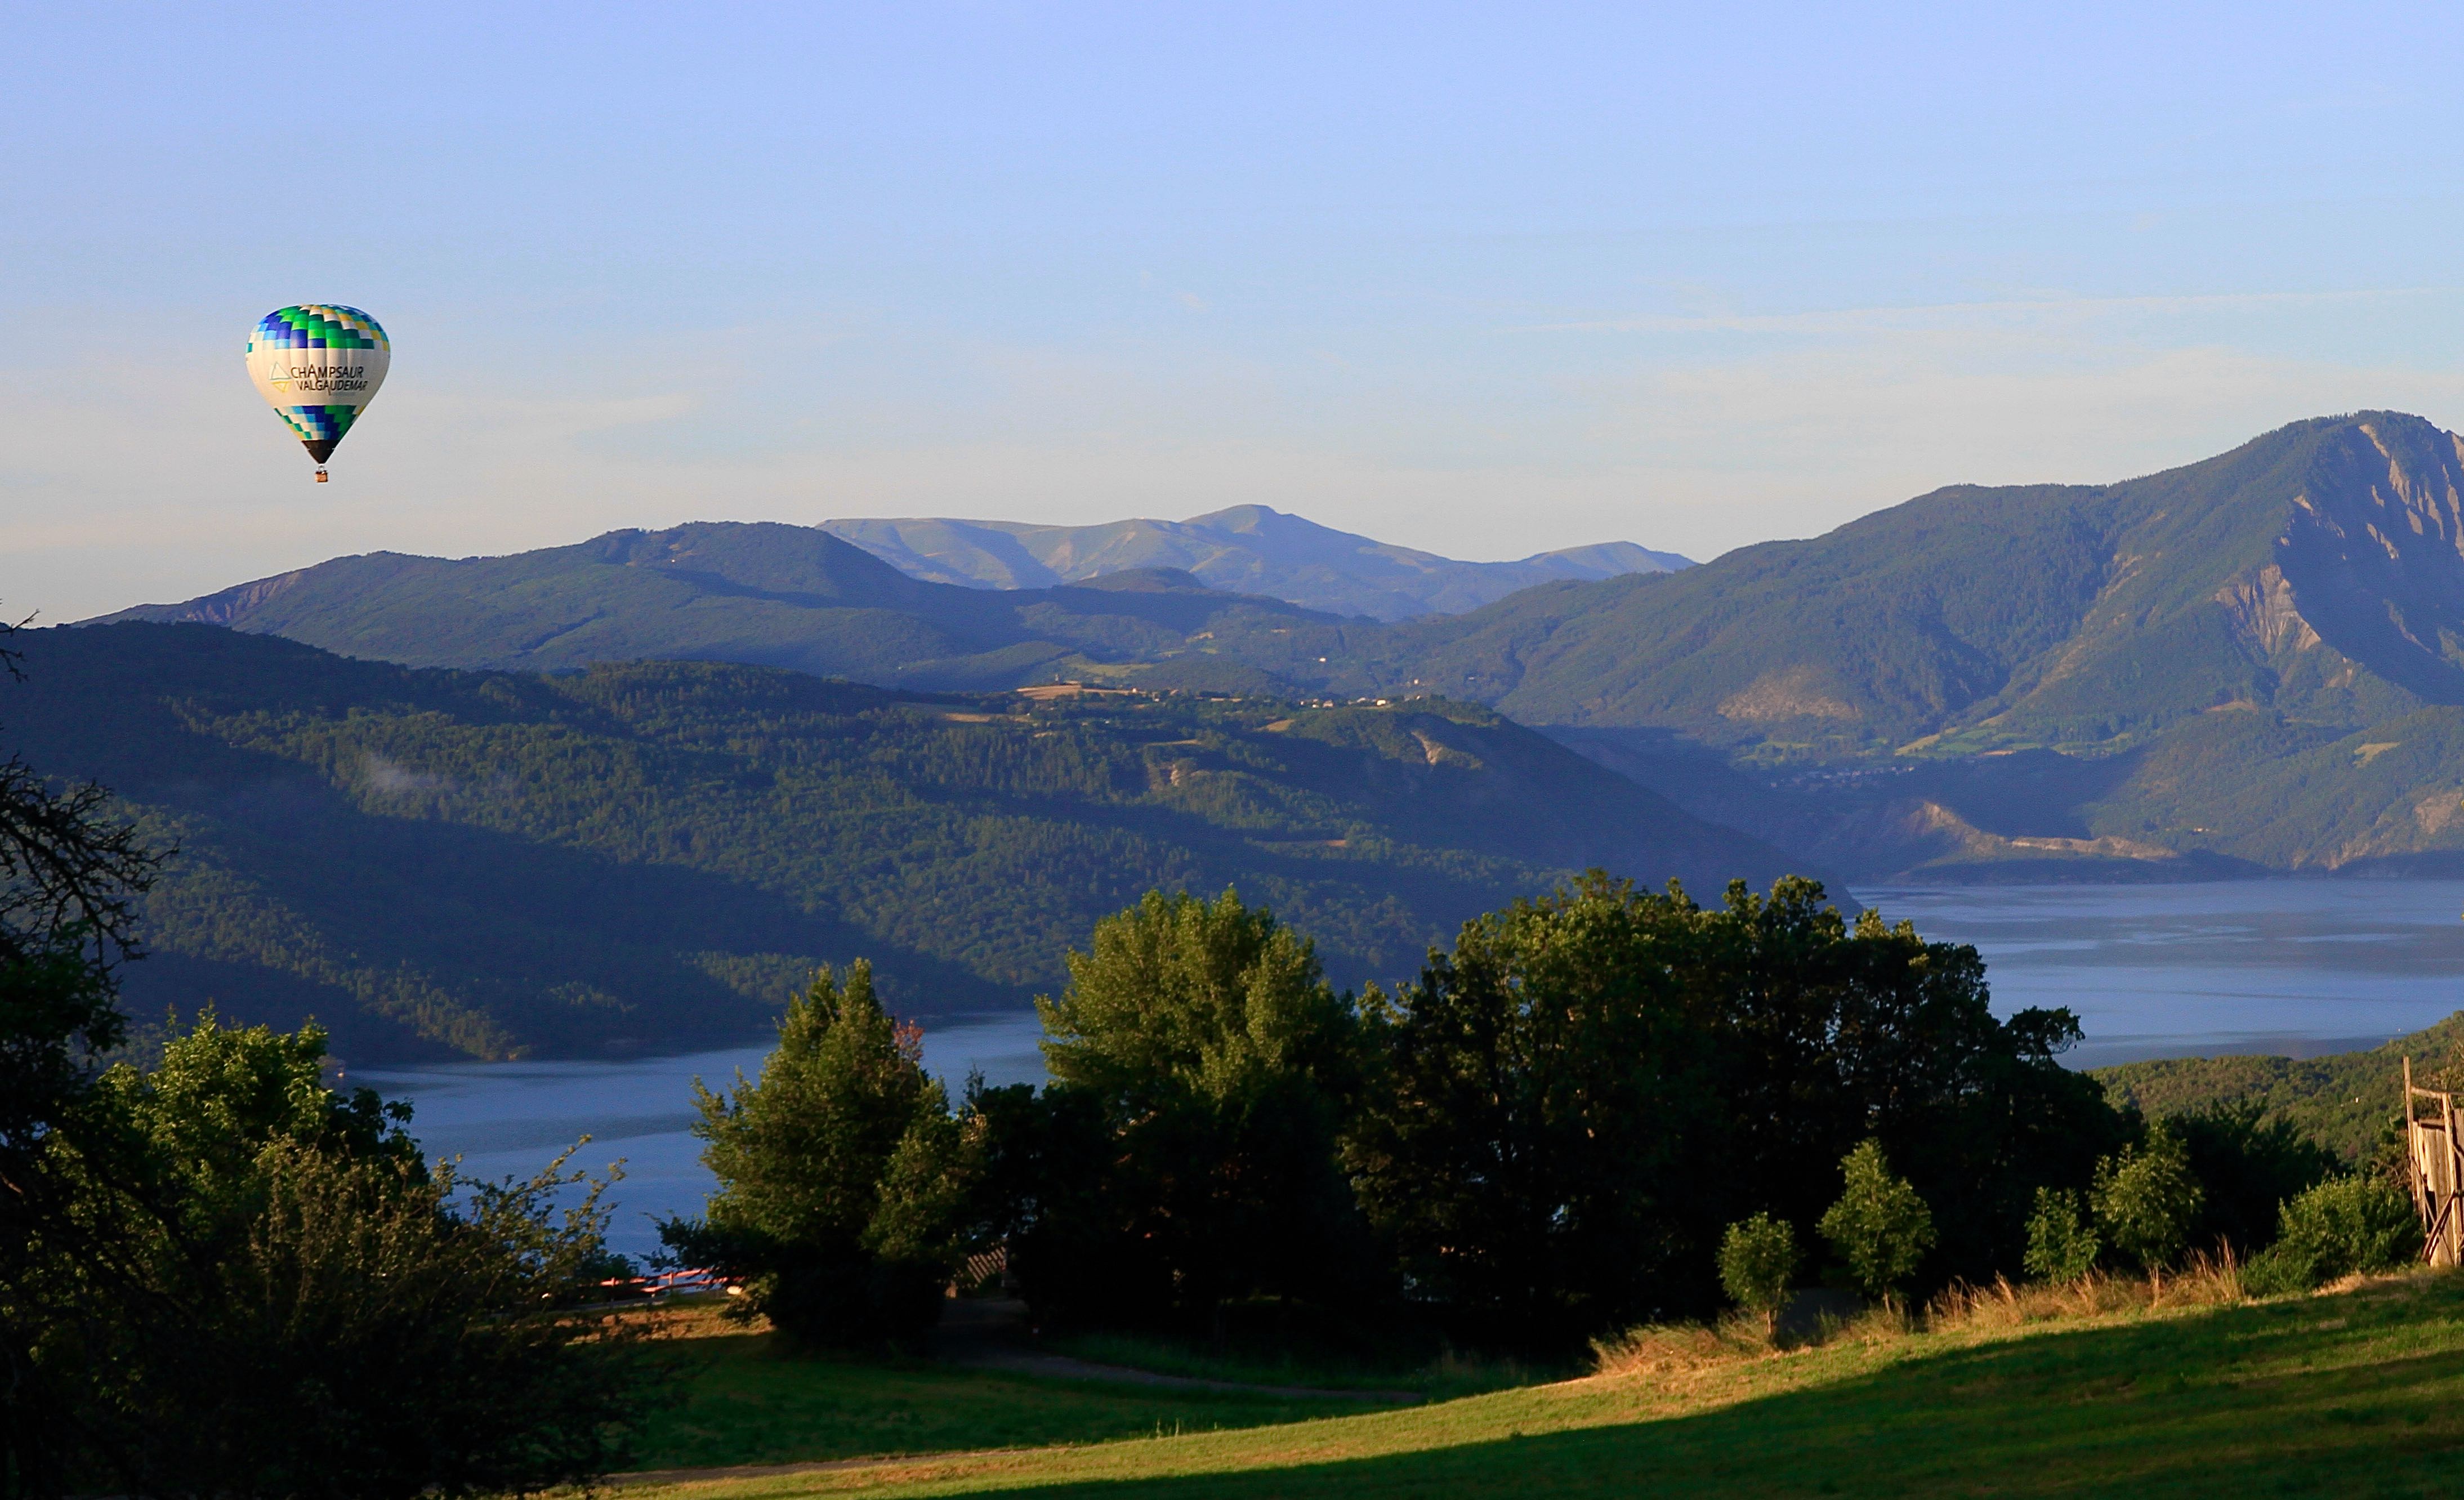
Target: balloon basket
{"type": "Point", "coordinates": [320, 477]}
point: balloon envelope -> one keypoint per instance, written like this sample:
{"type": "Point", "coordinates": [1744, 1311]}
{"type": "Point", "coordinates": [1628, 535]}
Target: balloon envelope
{"type": "Point", "coordinates": [319, 365]}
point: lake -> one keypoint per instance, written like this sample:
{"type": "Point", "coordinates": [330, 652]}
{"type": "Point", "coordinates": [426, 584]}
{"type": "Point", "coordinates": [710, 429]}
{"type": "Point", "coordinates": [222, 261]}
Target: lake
{"type": "Point", "coordinates": [2298, 967]}
{"type": "Point", "coordinates": [509, 1120]}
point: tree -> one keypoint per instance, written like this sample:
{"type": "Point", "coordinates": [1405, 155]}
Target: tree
{"type": "Point", "coordinates": [2247, 1165]}
{"type": "Point", "coordinates": [1840, 1031]}
{"type": "Point", "coordinates": [1757, 1261]}
{"type": "Point", "coordinates": [1567, 1110]}
{"type": "Point", "coordinates": [844, 1179]}
{"type": "Point", "coordinates": [1879, 1225]}
{"type": "Point", "coordinates": [1204, 1071]}
{"type": "Point", "coordinates": [2062, 1245]}
{"type": "Point", "coordinates": [69, 878]}
{"type": "Point", "coordinates": [2146, 1200]}
{"type": "Point", "coordinates": [1540, 1144]}
{"type": "Point", "coordinates": [302, 1308]}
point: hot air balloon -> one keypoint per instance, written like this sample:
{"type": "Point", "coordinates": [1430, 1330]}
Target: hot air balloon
{"type": "Point", "coordinates": [319, 365]}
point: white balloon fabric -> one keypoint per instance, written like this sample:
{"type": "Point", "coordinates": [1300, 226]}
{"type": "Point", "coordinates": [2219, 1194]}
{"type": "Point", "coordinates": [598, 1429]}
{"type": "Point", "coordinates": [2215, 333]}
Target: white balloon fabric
{"type": "Point", "coordinates": [319, 366]}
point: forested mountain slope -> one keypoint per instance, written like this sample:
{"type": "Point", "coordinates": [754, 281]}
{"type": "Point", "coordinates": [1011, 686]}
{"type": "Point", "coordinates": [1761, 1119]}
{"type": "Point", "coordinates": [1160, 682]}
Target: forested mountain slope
{"type": "Point", "coordinates": [2251, 663]}
{"type": "Point", "coordinates": [650, 854]}
{"type": "Point", "coordinates": [1248, 550]}
{"type": "Point", "coordinates": [2315, 572]}
{"type": "Point", "coordinates": [2347, 1100]}
{"type": "Point", "coordinates": [758, 593]}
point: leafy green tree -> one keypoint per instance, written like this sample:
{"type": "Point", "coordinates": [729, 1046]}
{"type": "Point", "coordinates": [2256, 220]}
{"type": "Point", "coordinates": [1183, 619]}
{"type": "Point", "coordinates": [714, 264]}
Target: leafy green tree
{"type": "Point", "coordinates": [2062, 1243]}
{"type": "Point", "coordinates": [1842, 1030]}
{"type": "Point", "coordinates": [1569, 1108]}
{"type": "Point", "coordinates": [1758, 1260]}
{"type": "Point", "coordinates": [2147, 1198]}
{"type": "Point", "coordinates": [1545, 1113]}
{"type": "Point", "coordinates": [1879, 1225]}
{"type": "Point", "coordinates": [298, 1307]}
{"type": "Point", "coordinates": [2248, 1165]}
{"type": "Point", "coordinates": [1200, 1060]}
{"type": "Point", "coordinates": [844, 1179]}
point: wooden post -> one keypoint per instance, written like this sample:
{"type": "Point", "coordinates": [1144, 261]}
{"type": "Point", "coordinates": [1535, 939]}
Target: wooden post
{"type": "Point", "coordinates": [2435, 1163]}
{"type": "Point", "coordinates": [2437, 1148]}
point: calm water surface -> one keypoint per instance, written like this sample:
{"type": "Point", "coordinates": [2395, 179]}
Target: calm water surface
{"type": "Point", "coordinates": [510, 1119]}
{"type": "Point", "coordinates": [2293, 966]}
{"type": "Point", "coordinates": [2298, 967]}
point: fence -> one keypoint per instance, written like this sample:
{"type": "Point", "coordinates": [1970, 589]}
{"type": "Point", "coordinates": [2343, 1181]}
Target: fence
{"type": "Point", "coordinates": [2437, 1162]}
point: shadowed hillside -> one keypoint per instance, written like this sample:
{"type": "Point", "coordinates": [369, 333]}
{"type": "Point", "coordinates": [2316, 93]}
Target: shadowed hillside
{"type": "Point", "coordinates": [652, 854]}
{"type": "Point", "coordinates": [761, 594]}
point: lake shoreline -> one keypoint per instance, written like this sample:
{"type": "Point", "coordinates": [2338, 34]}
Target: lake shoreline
{"type": "Point", "coordinates": [2282, 966]}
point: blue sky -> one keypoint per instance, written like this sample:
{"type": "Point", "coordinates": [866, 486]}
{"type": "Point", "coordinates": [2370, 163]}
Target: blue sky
{"type": "Point", "coordinates": [1485, 281]}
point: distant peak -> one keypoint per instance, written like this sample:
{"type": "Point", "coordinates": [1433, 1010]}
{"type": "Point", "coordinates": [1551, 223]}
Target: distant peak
{"type": "Point", "coordinates": [1245, 518]}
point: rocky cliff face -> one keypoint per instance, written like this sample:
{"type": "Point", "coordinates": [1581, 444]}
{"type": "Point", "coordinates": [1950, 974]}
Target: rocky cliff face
{"type": "Point", "coordinates": [2372, 555]}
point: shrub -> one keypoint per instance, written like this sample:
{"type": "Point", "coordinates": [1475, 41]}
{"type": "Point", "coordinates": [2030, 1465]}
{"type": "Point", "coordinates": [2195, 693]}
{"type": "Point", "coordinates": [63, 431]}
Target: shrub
{"type": "Point", "coordinates": [2359, 1222]}
{"type": "Point", "coordinates": [2146, 1200]}
{"type": "Point", "coordinates": [1880, 1225]}
{"type": "Point", "coordinates": [1757, 1259]}
{"type": "Point", "coordinates": [2062, 1245]}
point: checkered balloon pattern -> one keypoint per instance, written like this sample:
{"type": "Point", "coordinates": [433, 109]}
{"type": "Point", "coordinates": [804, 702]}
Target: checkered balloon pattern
{"type": "Point", "coordinates": [319, 365]}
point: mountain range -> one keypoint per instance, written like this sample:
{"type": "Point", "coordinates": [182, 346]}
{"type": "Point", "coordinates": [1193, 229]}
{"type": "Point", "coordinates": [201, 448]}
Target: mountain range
{"type": "Point", "coordinates": [2251, 663]}
{"type": "Point", "coordinates": [1248, 549]}
{"type": "Point", "coordinates": [652, 854]}
{"type": "Point", "coordinates": [761, 594]}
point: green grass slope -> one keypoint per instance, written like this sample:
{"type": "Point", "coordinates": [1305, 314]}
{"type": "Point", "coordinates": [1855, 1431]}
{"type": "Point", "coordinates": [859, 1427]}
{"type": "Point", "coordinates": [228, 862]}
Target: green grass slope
{"type": "Point", "coordinates": [744, 1399]}
{"type": "Point", "coordinates": [2357, 1394]}
{"type": "Point", "coordinates": [649, 855]}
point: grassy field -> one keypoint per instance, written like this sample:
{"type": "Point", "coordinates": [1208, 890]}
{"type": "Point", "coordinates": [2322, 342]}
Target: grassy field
{"type": "Point", "coordinates": [2358, 1393]}
{"type": "Point", "coordinates": [742, 1401]}
{"type": "Point", "coordinates": [1438, 1379]}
